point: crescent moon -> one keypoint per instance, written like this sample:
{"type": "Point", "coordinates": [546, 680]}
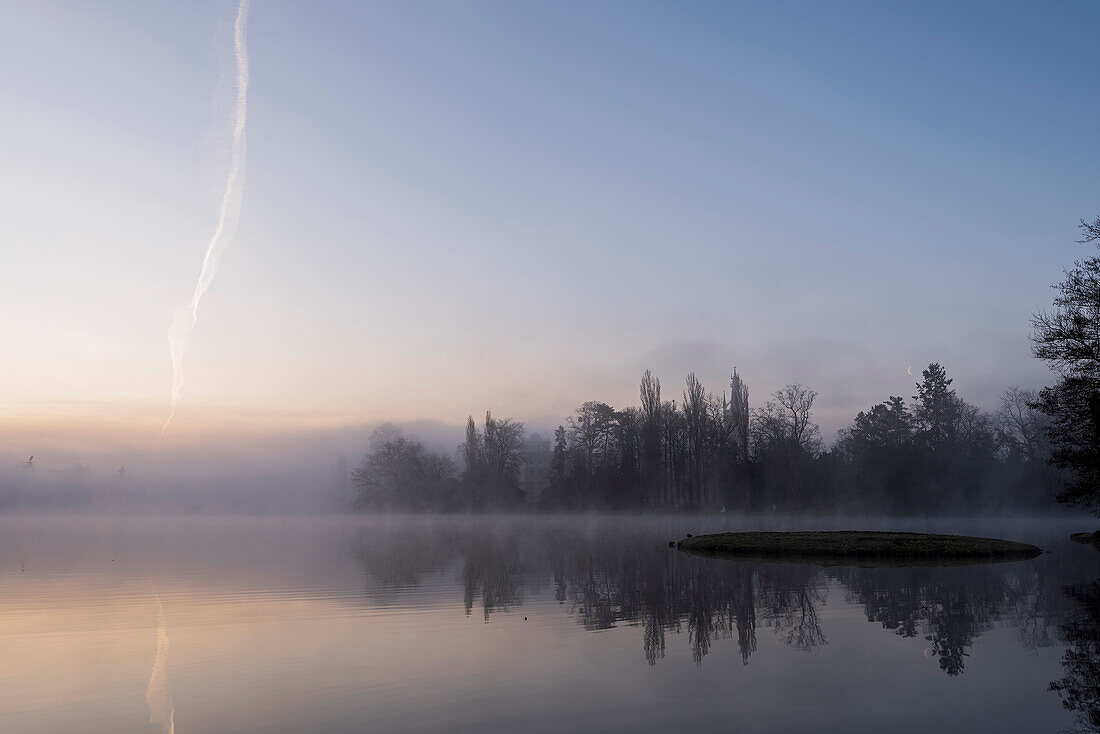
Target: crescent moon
{"type": "Point", "coordinates": [910, 370]}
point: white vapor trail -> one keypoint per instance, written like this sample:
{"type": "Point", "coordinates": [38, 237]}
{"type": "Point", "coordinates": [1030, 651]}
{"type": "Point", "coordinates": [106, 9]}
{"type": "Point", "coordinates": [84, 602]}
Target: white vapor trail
{"type": "Point", "coordinates": [157, 696]}
{"type": "Point", "coordinates": [184, 322]}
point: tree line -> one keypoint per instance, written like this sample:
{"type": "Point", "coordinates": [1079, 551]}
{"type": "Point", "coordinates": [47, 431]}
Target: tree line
{"type": "Point", "coordinates": [932, 453]}
{"type": "Point", "coordinates": [399, 473]}
{"type": "Point", "coordinates": [702, 451]}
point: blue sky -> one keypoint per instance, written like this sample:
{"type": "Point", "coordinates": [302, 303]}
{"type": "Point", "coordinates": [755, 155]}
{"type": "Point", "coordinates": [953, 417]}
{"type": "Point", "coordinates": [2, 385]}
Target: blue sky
{"type": "Point", "coordinates": [520, 206]}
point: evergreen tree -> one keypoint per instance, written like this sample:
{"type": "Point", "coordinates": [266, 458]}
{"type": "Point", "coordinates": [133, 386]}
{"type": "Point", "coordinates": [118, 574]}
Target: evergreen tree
{"type": "Point", "coordinates": [937, 410]}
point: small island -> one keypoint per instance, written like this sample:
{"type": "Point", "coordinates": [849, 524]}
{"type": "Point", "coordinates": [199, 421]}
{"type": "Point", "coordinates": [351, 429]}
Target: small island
{"type": "Point", "coordinates": [857, 545]}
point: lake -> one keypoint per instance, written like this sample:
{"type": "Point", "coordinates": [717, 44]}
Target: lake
{"type": "Point", "coordinates": [535, 624]}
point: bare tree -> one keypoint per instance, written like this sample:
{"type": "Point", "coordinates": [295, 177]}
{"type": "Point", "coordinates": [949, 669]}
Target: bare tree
{"type": "Point", "coordinates": [785, 438]}
{"type": "Point", "coordinates": [502, 449]}
{"type": "Point", "coordinates": [494, 458]}
{"type": "Point", "coordinates": [797, 402]}
{"type": "Point", "coordinates": [1021, 428]}
{"type": "Point", "coordinates": [695, 424]}
{"type": "Point", "coordinates": [651, 415]}
{"type": "Point", "coordinates": [399, 473]}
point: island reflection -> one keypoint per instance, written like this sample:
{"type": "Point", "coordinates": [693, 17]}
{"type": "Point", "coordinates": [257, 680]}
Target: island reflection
{"type": "Point", "coordinates": [607, 579]}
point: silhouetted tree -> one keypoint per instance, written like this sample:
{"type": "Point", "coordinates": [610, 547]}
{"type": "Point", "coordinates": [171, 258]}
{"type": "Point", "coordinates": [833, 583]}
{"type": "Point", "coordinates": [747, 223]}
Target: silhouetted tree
{"type": "Point", "coordinates": [1022, 428]}
{"type": "Point", "coordinates": [786, 441]}
{"type": "Point", "coordinates": [937, 454]}
{"type": "Point", "coordinates": [557, 460]}
{"type": "Point", "coordinates": [696, 438]}
{"type": "Point", "coordinates": [937, 411]}
{"type": "Point", "coordinates": [625, 490]}
{"type": "Point", "coordinates": [399, 473]}
{"type": "Point", "coordinates": [880, 449]}
{"type": "Point", "coordinates": [493, 457]}
{"type": "Point", "coordinates": [1068, 339]}
{"type": "Point", "coordinates": [592, 431]}
{"type": "Point", "coordinates": [737, 419]}
{"type": "Point", "coordinates": [650, 429]}
{"type": "Point", "coordinates": [1027, 478]}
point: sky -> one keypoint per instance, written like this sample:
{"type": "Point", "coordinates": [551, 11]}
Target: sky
{"type": "Point", "coordinates": [452, 207]}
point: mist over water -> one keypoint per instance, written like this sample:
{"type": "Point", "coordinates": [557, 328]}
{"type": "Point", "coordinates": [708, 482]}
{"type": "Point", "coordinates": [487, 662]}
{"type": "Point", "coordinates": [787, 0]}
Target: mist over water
{"type": "Point", "coordinates": [539, 291]}
{"type": "Point", "coordinates": [545, 623]}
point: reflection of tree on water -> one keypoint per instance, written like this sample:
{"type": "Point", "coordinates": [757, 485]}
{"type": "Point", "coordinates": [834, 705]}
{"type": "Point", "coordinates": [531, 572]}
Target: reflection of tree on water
{"type": "Point", "coordinates": [606, 579]}
{"type": "Point", "coordinates": [492, 562]}
{"type": "Point", "coordinates": [952, 607]}
{"type": "Point", "coordinates": [395, 560]}
{"type": "Point", "coordinates": [491, 572]}
{"type": "Point", "coordinates": [1080, 687]}
{"type": "Point", "coordinates": [949, 607]}
{"type": "Point", "coordinates": [607, 583]}
{"type": "Point", "coordinates": [792, 598]}
{"type": "Point", "coordinates": [953, 623]}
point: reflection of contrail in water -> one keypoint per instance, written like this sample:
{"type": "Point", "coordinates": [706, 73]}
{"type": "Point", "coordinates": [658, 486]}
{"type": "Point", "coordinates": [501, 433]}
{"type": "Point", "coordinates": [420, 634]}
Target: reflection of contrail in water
{"type": "Point", "coordinates": [184, 322]}
{"type": "Point", "coordinates": [157, 697]}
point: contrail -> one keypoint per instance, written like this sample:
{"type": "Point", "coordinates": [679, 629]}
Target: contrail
{"type": "Point", "coordinates": [184, 322]}
{"type": "Point", "coordinates": [157, 697]}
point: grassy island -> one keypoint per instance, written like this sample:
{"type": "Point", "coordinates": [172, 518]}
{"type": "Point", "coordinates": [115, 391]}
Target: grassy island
{"type": "Point", "coordinates": [856, 545]}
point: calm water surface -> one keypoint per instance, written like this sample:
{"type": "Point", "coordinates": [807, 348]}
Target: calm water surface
{"type": "Point", "coordinates": [529, 624]}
